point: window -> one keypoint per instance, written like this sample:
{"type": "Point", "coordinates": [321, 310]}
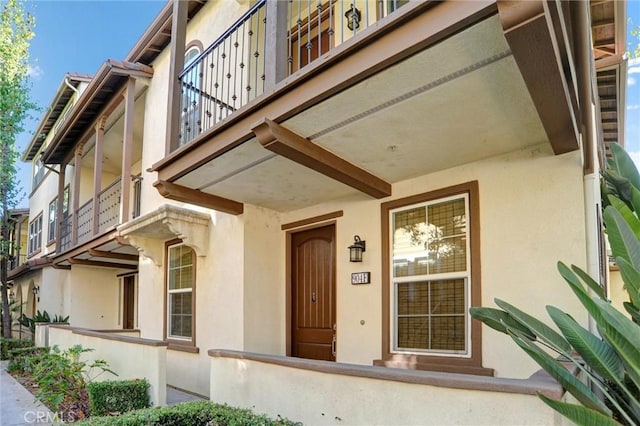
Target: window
{"type": "Point", "coordinates": [180, 293]}
{"type": "Point", "coordinates": [431, 278]}
{"type": "Point", "coordinates": [35, 235]}
{"type": "Point", "coordinates": [51, 225]}
{"type": "Point", "coordinates": [65, 201]}
{"type": "Point", "coordinates": [38, 172]}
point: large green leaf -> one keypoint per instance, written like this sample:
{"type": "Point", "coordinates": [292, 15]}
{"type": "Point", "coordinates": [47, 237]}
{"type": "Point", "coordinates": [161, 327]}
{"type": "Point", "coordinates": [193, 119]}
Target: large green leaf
{"type": "Point", "coordinates": [633, 311]}
{"type": "Point", "coordinates": [543, 331]}
{"type": "Point", "coordinates": [590, 282]}
{"type": "Point", "coordinates": [635, 199]}
{"type": "Point", "coordinates": [627, 214]}
{"type": "Point", "coordinates": [622, 239]}
{"type": "Point", "coordinates": [595, 352]}
{"type": "Point", "coordinates": [623, 335]}
{"type": "Point", "coordinates": [571, 383]}
{"type": "Point", "coordinates": [624, 165]}
{"type": "Point", "coordinates": [499, 320]}
{"type": "Point", "coordinates": [631, 279]}
{"type": "Point", "coordinates": [572, 279]}
{"type": "Point", "coordinates": [618, 185]}
{"type": "Point", "coordinates": [578, 414]}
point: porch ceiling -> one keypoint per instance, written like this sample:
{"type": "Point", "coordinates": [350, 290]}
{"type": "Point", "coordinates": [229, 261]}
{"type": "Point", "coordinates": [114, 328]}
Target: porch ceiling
{"type": "Point", "coordinates": [108, 251]}
{"type": "Point", "coordinates": [457, 102]}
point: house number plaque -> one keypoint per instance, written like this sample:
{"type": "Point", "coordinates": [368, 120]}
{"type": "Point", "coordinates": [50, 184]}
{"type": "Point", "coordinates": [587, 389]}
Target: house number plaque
{"type": "Point", "coordinates": [361, 278]}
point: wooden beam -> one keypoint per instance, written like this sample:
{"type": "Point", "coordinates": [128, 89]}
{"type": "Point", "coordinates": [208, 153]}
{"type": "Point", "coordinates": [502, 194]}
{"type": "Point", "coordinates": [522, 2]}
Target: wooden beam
{"type": "Point", "coordinates": [535, 50]}
{"type": "Point", "coordinates": [176, 192]}
{"type": "Point", "coordinates": [301, 150]}
{"type": "Point", "coordinates": [603, 23]}
{"type": "Point", "coordinates": [63, 267]}
{"type": "Point", "coordinates": [84, 262]}
{"type": "Point", "coordinates": [112, 255]}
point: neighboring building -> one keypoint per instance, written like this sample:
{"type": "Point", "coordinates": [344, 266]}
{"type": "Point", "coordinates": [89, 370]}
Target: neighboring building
{"type": "Point", "coordinates": [220, 175]}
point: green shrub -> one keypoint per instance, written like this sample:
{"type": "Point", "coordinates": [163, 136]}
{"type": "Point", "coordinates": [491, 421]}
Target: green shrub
{"type": "Point", "coordinates": [27, 351]}
{"type": "Point", "coordinates": [119, 396]}
{"type": "Point", "coordinates": [8, 344]}
{"type": "Point", "coordinates": [196, 413]}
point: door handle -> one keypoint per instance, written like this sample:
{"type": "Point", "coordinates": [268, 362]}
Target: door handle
{"type": "Point", "coordinates": [333, 346]}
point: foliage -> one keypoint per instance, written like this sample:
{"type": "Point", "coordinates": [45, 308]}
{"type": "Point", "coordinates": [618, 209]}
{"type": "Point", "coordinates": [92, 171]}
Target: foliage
{"type": "Point", "coordinates": [62, 375]}
{"type": "Point", "coordinates": [43, 316]}
{"type": "Point", "coordinates": [189, 414]}
{"type": "Point", "coordinates": [16, 32]}
{"type": "Point", "coordinates": [116, 397]}
{"type": "Point", "coordinates": [9, 344]}
{"type": "Point", "coordinates": [610, 359]}
{"type": "Point", "coordinates": [28, 351]}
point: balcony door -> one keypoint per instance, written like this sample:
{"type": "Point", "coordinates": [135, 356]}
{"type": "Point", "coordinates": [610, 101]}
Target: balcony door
{"type": "Point", "coordinates": [128, 302]}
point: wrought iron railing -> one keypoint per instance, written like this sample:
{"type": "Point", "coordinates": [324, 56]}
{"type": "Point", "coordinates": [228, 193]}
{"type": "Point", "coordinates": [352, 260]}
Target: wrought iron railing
{"type": "Point", "coordinates": [225, 76]}
{"type": "Point", "coordinates": [109, 206]}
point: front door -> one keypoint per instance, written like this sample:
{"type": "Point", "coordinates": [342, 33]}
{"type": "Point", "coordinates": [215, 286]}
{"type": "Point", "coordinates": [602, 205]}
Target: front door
{"type": "Point", "coordinates": [313, 294]}
{"type": "Point", "coordinates": [128, 301]}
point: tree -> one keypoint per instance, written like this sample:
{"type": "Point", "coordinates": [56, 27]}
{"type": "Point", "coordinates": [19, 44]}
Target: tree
{"type": "Point", "coordinates": [16, 32]}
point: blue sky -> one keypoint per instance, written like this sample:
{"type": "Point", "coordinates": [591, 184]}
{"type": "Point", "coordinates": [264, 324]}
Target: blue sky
{"type": "Point", "coordinates": [77, 36]}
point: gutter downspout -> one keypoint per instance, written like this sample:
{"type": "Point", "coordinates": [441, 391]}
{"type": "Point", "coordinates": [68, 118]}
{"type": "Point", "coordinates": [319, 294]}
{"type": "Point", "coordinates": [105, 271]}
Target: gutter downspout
{"type": "Point", "coordinates": [70, 86]}
{"type": "Point", "coordinates": [591, 165]}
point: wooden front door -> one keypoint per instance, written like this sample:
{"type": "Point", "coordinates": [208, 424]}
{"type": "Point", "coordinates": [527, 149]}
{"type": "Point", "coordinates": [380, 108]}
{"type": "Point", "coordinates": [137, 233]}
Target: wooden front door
{"type": "Point", "coordinates": [128, 302]}
{"type": "Point", "coordinates": [313, 294]}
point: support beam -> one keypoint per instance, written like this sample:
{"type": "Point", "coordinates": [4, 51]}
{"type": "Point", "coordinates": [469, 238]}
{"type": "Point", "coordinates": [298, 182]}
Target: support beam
{"type": "Point", "coordinates": [176, 65]}
{"type": "Point", "coordinates": [60, 206]}
{"type": "Point", "coordinates": [97, 172]}
{"type": "Point", "coordinates": [112, 255]}
{"type": "Point", "coordinates": [187, 195]}
{"type": "Point", "coordinates": [77, 169]}
{"type": "Point", "coordinates": [101, 264]}
{"type": "Point", "coordinates": [127, 150]}
{"type": "Point", "coordinates": [301, 150]}
{"type": "Point", "coordinates": [535, 50]}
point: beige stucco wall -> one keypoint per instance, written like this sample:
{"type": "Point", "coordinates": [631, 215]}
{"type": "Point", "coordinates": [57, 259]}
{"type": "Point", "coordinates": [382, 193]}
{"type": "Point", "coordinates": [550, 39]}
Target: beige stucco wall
{"type": "Point", "coordinates": [315, 398]}
{"type": "Point", "coordinates": [93, 297]}
{"type": "Point", "coordinates": [617, 293]}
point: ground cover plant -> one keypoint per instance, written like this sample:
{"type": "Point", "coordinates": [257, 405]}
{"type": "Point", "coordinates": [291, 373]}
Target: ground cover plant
{"type": "Point", "coordinates": [196, 413]}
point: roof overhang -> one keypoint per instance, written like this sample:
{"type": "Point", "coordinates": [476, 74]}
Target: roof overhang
{"type": "Point", "coordinates": [64, 93]}
{"type": "Point", "coordinates": [106, 251]}
{"type": "Point", "coordinates": [158, 35]}
{"type": "Point", "coordinates": [108, 82]}
{"type": "Point", "coordinates": [28, 266]}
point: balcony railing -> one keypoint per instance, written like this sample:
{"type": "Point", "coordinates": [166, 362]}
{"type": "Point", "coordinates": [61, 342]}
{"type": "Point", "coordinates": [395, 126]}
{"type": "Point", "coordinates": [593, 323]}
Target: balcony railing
{"type": "Point", "coordinates": [231, 71]}
{"type": "Point", "coordinates": [225, 76]}
{"type": "Point", "coordinates": [108, 216]}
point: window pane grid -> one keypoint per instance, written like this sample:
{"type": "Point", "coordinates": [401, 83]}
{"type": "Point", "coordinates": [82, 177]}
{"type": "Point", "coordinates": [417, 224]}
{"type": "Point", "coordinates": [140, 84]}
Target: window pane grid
{"type": "Point", "coordinates": [180, 277]}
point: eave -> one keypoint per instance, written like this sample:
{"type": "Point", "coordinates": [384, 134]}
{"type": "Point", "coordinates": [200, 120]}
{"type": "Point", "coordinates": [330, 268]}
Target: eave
{"type": "Point", "coordinates": [108, 81]}
{"type": "Point", "coordinates": [55, 109]}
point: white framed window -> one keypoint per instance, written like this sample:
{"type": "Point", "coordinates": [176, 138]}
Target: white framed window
{"type": "Point", "coordinates": [180, 300]}
{"type": "Point", "coordinates": [51, 220]}
{"type": "Point", "coordinates": [431, 277]}
{"type": "Point", "coordinates": [35, 234]}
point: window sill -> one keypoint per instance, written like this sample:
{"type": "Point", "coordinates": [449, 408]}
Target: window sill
{"type": "Point", "coordinates": [183, 347]}
{"type": "Point", "coordinates": [35, 253]}
{"type": "Point", "coordinates": [443, 367]}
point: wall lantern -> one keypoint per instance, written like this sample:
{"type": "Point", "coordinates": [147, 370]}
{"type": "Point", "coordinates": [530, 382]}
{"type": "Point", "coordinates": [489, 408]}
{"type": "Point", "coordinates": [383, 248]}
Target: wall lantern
{"type": "Point", "coordinates": [353, 16]}
{"type": "Point", "coordinates": [36, 290]}
{"type": "Point", "coordinates": [356, 249]}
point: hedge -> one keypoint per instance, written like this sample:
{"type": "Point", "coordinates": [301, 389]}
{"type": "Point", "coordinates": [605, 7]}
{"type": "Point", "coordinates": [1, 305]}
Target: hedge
{"type": "Point", "coordinates": [8, 344]}
{"type": "Point", "coordinates": [195, 413]}
{"type": "Point", "coordinates": [28, 351]}
{"type": "Point", "coordinates": [117, 396]}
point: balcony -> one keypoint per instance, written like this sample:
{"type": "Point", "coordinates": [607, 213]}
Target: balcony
{"type": "Point", "coordinates": [235, 69]}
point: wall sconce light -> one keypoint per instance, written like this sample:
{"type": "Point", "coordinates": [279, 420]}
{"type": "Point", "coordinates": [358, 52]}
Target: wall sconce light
{"type": "Point", "coordinates": [353, 16]}
{"type": "Point", "coordinates": [36, 291]}
{"type": "Point", "coordinates": [356, 249]}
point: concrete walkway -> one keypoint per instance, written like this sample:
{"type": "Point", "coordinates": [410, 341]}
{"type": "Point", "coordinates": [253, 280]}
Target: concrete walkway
{"type": "Point", "coordinates": [17, 405]}
{"type": "Point", "coordinates": [175, 396]}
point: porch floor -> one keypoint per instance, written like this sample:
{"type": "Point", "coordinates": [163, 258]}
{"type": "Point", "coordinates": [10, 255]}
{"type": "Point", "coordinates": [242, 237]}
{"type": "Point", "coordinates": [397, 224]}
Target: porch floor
{"type": "Point", "coordinates": [175, 396]}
